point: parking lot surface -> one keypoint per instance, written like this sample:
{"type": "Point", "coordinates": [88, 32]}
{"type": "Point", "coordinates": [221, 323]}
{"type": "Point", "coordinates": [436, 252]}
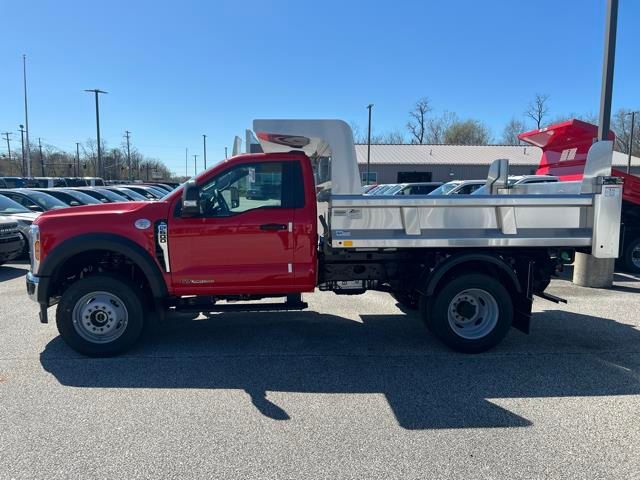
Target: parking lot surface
{"type": "Point", "coordinates": [351, 388]}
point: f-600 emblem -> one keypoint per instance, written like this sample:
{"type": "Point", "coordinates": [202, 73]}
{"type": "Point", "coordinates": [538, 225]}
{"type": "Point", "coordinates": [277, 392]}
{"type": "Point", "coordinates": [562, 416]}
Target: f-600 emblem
{"type": "Point", "coordinates": [163, 243]}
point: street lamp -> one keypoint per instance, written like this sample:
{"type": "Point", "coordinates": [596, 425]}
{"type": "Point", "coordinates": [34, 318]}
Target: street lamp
{"type": "Point", "coordinates": [96, 92]}
{"type": "Point", "coordinates": [370, 106]}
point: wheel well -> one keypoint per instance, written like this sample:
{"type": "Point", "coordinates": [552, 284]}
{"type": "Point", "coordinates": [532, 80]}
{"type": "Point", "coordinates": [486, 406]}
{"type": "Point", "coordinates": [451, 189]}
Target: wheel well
{"type": "Point", "coordinates": [510, 281]}
{"type": "Point", "coordinates": [94, 262]}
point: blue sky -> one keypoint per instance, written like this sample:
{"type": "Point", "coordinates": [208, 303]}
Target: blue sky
{"type": "Point", "coordinates": [176, 70]}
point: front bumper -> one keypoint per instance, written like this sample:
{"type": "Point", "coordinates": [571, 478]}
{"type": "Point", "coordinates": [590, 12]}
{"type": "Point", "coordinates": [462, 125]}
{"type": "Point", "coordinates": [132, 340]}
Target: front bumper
{"type": "Point", "coordinates": [33, 282]}
{"type": "Point", "coordinates": [35, 290]}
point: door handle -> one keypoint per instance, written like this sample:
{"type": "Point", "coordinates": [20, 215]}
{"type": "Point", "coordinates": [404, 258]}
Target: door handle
{"type": "Point", "coordinates": [273, 226]}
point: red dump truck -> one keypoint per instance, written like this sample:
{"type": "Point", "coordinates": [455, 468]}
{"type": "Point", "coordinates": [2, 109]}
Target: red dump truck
{"type": "Point", "coordinates": [564, 154]}
{"type": "Point", "coordinates": [472, 265]}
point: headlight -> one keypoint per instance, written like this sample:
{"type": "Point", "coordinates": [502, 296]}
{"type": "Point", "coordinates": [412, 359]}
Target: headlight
{"type": "Point", "coordinates": [34, 240]}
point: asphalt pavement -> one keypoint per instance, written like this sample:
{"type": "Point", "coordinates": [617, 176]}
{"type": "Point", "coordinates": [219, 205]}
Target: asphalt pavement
{"type": "Point", "coordinates": [351, 388]}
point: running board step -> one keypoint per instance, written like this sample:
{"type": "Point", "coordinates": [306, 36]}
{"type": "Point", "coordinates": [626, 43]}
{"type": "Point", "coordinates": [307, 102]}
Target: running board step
{"type": "Point", "coordinates": [245, 307]}
{"type": "Point", "coordinates": [551, 298]}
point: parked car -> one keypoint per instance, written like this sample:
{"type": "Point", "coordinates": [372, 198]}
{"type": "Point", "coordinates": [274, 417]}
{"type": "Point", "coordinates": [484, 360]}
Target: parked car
{"type": "Point", "coordinates": [34, 200]}
{"type": "Point", "coordinates": [160, 186]}
{"type": "Point", "coordinates": [11, 241]}
{"type": "Point", "coordinates": [13, 182]}
{"type": "Point", "coordinates": [46, 182]}
{"type": "Point", "coordinates": [417, 188]}
{"type": "Point", "coordinates": [514, 180]}
{"type": "Point", "coordinates": [102, 194]}
{"type": "Point", "coordinates": [21, 215]}
{"type": "Point", "coordinates": [84, 181]}
{"type": "Point", "coordinates": [127, 193]}
{"type": "Point", "coordinates": [381, 189]}
{"type": "Point", "coordinates": [459, 187]}
{"type": "Point", "coordinates": [71, 197]}
{"type": "Point", "coordinates": [147, 192]}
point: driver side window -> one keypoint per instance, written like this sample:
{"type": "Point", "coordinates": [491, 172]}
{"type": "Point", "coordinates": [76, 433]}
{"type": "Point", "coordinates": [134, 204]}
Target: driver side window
{"type": "Point", "coordinates": [243, 188]}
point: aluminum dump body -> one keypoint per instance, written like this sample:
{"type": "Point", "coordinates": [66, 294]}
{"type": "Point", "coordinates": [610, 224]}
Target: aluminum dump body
{"type": "Point", "coordinates": [590, 217]}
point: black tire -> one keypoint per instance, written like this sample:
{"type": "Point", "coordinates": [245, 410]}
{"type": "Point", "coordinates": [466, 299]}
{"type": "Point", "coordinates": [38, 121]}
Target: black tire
{"type": "Point", "coordinates": [408, 300]}
{"type": "Point", "coordinates": [435, 312]}
{"type": "Point", "coordinates": [627, 256]}
{"type": "Point", "coordinates": [121, 288]}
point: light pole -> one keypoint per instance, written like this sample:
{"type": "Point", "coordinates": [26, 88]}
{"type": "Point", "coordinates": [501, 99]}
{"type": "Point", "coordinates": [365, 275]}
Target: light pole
{"type": "Point", "coordinates": [369, 107]}
{"type": "Point", "coordinates": [127, 133]}
{"type": "Point", "coordinates": [225, 153]}
{"type": "Point", "coordinates": [6, 137]}
{"type": "Point", "coordinates": [633, 120]}
{"type": "Point", "coordinates": [26, 114]}
{"type": "Point", "coordinates": [195, 164]}
{"type": "Point", "coordinates": [24, 166]}
{"type": "Point", "coordinates": [204, 141]}
{"type": "Point", "coordinates": [97, 92]}
{"type": "Point", "coordinates": [77, 159]}
{"type": "Point", "coordinates": [186, 163]}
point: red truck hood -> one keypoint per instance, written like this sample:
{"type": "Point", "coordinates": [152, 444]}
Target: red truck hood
{"type": "Point", "coordinates": [118, 219]}
{"type": "Point", "coordinates": [73, 214]}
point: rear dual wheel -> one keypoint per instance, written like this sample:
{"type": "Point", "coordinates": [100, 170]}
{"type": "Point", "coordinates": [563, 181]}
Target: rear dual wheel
{"type": "Point", "coordinates": [470, 313]}
{"type": "Point", "coordinates": [100, 315]}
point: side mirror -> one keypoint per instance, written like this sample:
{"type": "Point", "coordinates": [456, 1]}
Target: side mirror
{"type": "Point", "coordinates": [190, 199]}
{"type": "Point", "coordinates": [235, 197]}
{"type": "Point", "coordinates": [36, 208]}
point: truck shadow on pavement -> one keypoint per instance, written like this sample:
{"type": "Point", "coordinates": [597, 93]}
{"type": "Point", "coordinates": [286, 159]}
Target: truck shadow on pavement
{"type": "Point", "coordinates": [426, 386]}
{"type": "Point", "coordinates": [9, 273]}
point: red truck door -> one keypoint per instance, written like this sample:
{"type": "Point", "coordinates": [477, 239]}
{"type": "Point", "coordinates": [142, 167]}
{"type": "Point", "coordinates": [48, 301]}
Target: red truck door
{"type": "Point", "coordinates": [242, 243]}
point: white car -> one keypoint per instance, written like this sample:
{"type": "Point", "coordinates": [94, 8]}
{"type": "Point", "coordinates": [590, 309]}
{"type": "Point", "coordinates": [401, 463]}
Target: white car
{"type": "Point", "coordinates": [459, 187]}
{"type": "Point", "coordinates": [515, 180]}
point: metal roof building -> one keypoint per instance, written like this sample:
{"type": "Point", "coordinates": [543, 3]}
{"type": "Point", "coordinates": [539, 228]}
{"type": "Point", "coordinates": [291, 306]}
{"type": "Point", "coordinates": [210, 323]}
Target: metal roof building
{"type": "Point", "coordinates": [441, 163]}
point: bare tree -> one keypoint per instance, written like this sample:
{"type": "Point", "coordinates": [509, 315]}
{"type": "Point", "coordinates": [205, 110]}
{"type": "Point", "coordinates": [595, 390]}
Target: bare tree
{"type": "Point", "coordinates": [621, 125]}
{"type": "Point", "coordinates": [417, 124]}
{"type": "Point", "coordinates": [538, 109]}
{"type": "Point", "coordinates": [437, 126]}
{"type": "Point", "coordinates": [511, 131]}
{"type": "Point", "coordinates": [394, 137]}
{"type": "Point", "coordinates": [467, 132]}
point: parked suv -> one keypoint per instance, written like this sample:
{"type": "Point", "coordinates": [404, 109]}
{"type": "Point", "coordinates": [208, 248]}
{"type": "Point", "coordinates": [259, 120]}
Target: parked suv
{"type": "Point", "coordinates": [11, 242]}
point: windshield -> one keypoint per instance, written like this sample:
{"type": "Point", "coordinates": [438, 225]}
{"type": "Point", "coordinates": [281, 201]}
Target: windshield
{"type": "Point", "coordinates": [82, 197]}
{"type": "Point", "coordinates": [9, 206]}
{"type": "Point", "coordinates": [445, 189]}
{"type": "Point", "coordinates": [394, 190]}
{"type": "Point", "coordinates": [133, 195]}
{"type": "Point", "coordinates": [114, 197]}
{"type": "Point", "coordinates": [45, 200]}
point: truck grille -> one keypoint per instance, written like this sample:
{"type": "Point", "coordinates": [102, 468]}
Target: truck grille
{"type": "Point", "coordinates": [8, 229]}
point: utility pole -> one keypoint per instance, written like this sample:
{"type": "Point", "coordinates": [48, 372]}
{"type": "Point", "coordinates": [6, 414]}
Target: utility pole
{"type": "Point", "coordinates": [77, 159]}
{"type": "Point", "coordinates": [204, 140]}
{"type": "Point", "coordinates": [589, 271]}
{"type": "Point", "coordinates": [41, 157]}
{"type": "Point", "coordinates": [225, 153]}
{"type": "Point", "coordinates": [370, 106]}
{"type": "Point", "coordinates": [26, 113]}
{"type": "Point", "coordinates": [97, 92]}
{"type": "Point", "coordinates": [611, 24]}
{"type": "Point", "coordinates": [6, 137]}
{"type": "Point", "coordinates": [633, 120]}
{"type": "Point", "coordinates": [127, 133]}
{"type": "Point", "coordinates": [195, 164]}
{"type": "Point", "coordinates": [24, 166]}
{"type": "Point", "coordinates": [186, 163]}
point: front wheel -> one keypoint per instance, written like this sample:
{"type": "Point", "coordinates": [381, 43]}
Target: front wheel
{"type": "Point", "coordinates": [100, 316]}
{"type": "Point", "coordinates": [470, 313]}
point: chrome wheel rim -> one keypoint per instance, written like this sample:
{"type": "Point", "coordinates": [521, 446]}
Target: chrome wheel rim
{"type": "Point", "coordinates": [100, 317]}
{"type": "Point", "coordinates": [473, 314]}
{"type": "Point", "coordinates": [635, 256]}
